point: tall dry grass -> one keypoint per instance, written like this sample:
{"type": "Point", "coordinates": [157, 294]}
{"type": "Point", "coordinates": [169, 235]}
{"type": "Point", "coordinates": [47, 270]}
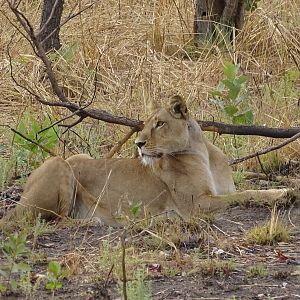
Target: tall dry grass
{"type": "Point", "coordinates": [146, 52]}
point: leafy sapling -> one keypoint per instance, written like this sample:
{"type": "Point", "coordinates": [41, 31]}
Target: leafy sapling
{"type": "Point", "coordinates": [14, 267]}
{"type": "Point", "coordinates": [54, 276]}
{"type": "Point", "coordinates": [31, 128]}
{"type": "Point", "coordinates": [230, 96]}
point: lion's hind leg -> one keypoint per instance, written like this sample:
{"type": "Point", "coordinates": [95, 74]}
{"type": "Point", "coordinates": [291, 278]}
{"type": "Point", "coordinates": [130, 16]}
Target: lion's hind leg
{"type": "Point", "coordinates": [49, 191]}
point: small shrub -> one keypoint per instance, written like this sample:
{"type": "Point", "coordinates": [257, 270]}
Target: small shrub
{"type": "Point", "coordinates": [31, 128]}
{"type": "Point", "coordinates": [12, 269]}
{"type": "Point", "coordinates": [138, 288]}
{"type": "Point", "coordinates": [230, 96]}
{"type": "Point", "coordinates": [54, 276]}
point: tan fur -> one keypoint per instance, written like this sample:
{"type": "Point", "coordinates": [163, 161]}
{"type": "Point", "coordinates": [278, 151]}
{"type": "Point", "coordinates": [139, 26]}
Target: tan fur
{"type": "Point", "coordinates": [178, 169]}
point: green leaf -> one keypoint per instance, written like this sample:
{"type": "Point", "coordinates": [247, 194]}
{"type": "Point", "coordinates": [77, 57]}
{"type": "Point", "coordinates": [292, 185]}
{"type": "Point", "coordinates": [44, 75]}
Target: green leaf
{"type": "Point", "coordinates": [23, 267]}
{"type": "Point", "coordinates": [47, 138]}
{"type": "Point", "coordinates": [54, 268]}
{"type": "Point", "coordinates": [135, 209]}
{"type": "Point", "coordinates": [219, 103]}
{"type": "Point", "coordinates": [244, 118]}
{"type": "Point", "coordinates": [18, 139]}
{"type": "Point", "coordinates": [58, 285]}
{"type": "Point", "coordinates": [3, 272]}
{"type": "Point", "coordinates": [35, 128]}
{"type": "Point", "coordinates": [230, 110]}
{"type": "Point", "coordinates": [216, 93]}
{"type": "Point", "coordinates": [234, 92]}
{"type": "Point", "coordinates": [230, 70]}
{"type": "Point", "coordinates": [50, 286]}
{"type": "Point", "coordinates": [220, 87]}
{"type": "Point", "coordinates": [69, 53]}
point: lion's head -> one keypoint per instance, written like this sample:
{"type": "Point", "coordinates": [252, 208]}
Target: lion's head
{"type": "Point", "coordinates": [168, 131]}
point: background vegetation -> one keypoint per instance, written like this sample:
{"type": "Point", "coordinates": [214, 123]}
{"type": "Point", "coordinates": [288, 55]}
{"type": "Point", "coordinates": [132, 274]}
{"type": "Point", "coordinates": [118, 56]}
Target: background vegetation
{"type": "Point", "coordinates": [146, 51]}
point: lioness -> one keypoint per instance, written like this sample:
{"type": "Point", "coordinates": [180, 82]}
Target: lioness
{"type": "Point", "coordinates": [178, 169]}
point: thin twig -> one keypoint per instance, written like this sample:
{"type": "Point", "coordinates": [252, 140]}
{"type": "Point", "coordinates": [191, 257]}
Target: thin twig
{"type": "Point", "coordinates": [120, 143]}
{"type": "Point", "coordinates": [30, 140]}
{"type": "Point", "coordinates": [122, 237]}
{"type": "Point", "coordinates": [108, 275]}
{"type": "Point", "coordinates": [267, 150]}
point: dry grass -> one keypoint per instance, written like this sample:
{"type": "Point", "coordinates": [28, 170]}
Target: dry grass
{"type": "Point", "coordinates": [146, 52]}
{"type": "Point", "coordinates": [272, 231]}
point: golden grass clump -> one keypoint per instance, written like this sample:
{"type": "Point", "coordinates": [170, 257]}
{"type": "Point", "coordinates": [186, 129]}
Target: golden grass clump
{"type": "Point", "coordinates": [271, 232]}
{"type": "Point", "coordinates": [145, 52]}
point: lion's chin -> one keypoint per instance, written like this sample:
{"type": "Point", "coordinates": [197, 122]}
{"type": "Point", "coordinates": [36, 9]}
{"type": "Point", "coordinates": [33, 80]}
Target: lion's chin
{"type": "Point", "coordinates": [148, 160]}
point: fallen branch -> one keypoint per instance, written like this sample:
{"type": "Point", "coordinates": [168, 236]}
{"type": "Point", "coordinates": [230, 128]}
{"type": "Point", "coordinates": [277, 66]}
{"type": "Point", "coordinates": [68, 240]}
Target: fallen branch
{"type": "Point", "coordinates": [123, 263]}
{"type": "Point", "coordinates": [273, 132]}
{"type": "Point", "coordinates": [256, 154]}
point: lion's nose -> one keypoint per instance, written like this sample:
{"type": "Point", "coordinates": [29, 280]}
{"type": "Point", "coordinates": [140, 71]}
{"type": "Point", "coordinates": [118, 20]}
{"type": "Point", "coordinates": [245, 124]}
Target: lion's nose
{"type": "Point", "coordinates": [140, 144]}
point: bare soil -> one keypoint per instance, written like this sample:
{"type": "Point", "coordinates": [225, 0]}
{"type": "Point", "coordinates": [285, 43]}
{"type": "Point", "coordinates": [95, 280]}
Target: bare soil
{"type": "Point", "coordinates": [227, 237]}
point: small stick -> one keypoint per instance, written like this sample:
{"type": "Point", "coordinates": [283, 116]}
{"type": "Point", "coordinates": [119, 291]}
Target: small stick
{"type": "Point", "coordinates": [120, 143]}
{"type": "Point", "coordinates": [239, 160]}
{"type": "Point", "coordinates": [123, 264]}
{"type": "Point", "coordinates": [108, 275]}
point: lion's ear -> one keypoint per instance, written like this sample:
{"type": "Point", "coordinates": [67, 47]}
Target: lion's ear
{"type": "Point", "coordinates": [177, 108]}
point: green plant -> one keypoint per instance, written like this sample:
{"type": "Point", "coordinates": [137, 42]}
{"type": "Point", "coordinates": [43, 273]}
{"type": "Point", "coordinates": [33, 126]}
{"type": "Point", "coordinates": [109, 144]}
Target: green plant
{"type": "Point", "coordinates": [54, 276]}
{"type": "Point", "coordinates": [40, 228]}
{"type": "Point", "coordinates": [238, 177]}
{"type": "Point", "coordinates": [12, 269]}
{"type": "Point", "coordinates": [31, 128]}
{"type": "Point", "coordinates": [230, 96]}
{"type": "Point", "coordinates": [138, 288]}
{"type": "Point", "coordinates": [109, 255]}
{"type": "Point", "coordinates": [257, 270]}
{"type": "Point", "coordinates": [67, 52]}
{"type": "Point", "coordinates": [281, 92]}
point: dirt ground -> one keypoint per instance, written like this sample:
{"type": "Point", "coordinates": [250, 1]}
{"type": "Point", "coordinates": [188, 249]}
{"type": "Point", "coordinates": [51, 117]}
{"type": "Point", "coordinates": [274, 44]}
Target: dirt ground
{"type": "Point", "coordinates": [281, 262]}
{"type": "Point", "coordinates": [223, 242]}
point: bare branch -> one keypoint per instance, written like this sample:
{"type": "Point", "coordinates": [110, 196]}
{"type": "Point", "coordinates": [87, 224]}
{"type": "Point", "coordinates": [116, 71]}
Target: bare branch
{"type": "Point", "coordinates": [69, 126]}
{"type": "Point", "coordinates": [239, 160]}
{"type": "Point", "coordinates": [273, 132]}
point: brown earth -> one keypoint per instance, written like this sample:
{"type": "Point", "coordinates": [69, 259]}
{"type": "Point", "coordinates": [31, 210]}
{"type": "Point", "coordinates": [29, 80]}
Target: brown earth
{"type": "Point", "coordinates": [190, 280]}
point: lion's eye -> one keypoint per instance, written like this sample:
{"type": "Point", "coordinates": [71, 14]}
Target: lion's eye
{"type": "Point", "coordinates": [159, 124]}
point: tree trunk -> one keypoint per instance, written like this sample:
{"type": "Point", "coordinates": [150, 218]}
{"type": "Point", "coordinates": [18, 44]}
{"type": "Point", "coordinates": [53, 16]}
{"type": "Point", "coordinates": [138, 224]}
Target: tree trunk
{"type": "Point", "coordinates": [210, 13]}
{"type": "Point", "coordinates": [50, 24]}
